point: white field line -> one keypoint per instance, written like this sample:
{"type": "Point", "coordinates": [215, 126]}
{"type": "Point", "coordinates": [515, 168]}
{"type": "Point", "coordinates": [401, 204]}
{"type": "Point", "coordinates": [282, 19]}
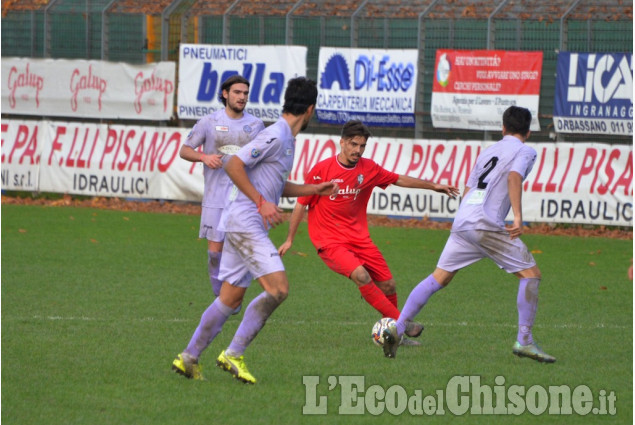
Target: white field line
{"type": "Point", "coordinates": [459, 324]}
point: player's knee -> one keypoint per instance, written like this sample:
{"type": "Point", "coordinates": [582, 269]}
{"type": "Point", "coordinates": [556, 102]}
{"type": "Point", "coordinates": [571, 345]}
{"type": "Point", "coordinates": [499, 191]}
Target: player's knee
{"type": "Point", "coordinates": [531, 273]}
{"type": "Point", "coordinates": [443, 277]}
{"type": "Point", "coordinates": [232, 303]}
{"type": "Point", "coordinates": [360, 276]}
{"type": "Point", "coordinates": [280, 294]}
{"type": "Point", "coordinates": [534, 273]}
{"type": "Point", "coordinates": [387, 287]}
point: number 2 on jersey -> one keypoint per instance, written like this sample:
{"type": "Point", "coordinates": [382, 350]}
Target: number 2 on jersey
{"type": "Point", "coordinates": [489, 166]}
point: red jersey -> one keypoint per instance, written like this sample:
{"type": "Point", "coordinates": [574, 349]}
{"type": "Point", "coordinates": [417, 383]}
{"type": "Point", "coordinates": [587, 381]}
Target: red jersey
{"type": "Point", "coordinates": [341, 218]}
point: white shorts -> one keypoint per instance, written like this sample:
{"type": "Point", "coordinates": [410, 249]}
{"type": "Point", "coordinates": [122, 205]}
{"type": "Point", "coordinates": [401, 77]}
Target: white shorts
{"type": "Point", "coordinates": [210, 217]}
{"type": "Point", "coordinates": [248, 255]}
{"type": "Point", "coordinates": [468, 246]}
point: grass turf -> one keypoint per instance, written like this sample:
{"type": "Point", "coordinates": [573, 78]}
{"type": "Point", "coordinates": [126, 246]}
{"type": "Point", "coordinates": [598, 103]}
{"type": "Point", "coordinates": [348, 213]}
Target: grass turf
{"type": "Point", "coordinates": [96, 304]}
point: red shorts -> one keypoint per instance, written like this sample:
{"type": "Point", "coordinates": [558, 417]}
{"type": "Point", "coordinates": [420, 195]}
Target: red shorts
{"type": "Point", "coordinates": [344, 258]}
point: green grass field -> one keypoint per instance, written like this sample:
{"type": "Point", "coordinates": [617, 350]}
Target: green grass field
{"type": "Point", "coordinates": [96, 304]}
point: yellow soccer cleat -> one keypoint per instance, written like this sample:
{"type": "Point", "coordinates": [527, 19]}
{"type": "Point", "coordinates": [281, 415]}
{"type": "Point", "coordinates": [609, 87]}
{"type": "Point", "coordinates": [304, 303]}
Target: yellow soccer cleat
{"type": "Point", "coordinates": [532, 351]}
{"type": "Point", "coordinates": [236, 366]}
{"type": "Point", "coordinates": [187, 366]}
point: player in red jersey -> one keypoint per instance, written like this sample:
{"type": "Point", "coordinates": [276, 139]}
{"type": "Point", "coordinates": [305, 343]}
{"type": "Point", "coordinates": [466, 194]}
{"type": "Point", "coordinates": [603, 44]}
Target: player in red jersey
{"type": "Point", "coordinates": [337, 224]}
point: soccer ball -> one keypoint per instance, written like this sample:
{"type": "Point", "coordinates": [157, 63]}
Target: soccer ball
{"type": "Point", "coordinates": [378, 330]}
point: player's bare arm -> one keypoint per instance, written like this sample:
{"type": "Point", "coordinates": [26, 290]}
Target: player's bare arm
{"type": "Point", "coordinates": [294, 222]}
{"type": "Point", "coordinates": [514, 186]}
{"type": "Point", "coordinates": [294, 190]}
{"type": "Point", "coordinates": [192, 155]}
{"type": "Point", "coordinates": [412, 182]}
{"type": "Point", "coordinates": [324, 188]}
{"type": "Point", "coordinates": [270, 212]}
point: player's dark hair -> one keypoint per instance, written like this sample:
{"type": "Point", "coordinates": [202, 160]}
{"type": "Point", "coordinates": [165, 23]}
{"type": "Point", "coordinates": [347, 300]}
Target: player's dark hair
{"type": "Point", "coordinates": [301, 93]}
{"type": "Point", "coordinates": [228, 83]}
{"type": "Point", "coordinates": [517, 120]}
{"type": "Point", "coordinates": [355, 128]}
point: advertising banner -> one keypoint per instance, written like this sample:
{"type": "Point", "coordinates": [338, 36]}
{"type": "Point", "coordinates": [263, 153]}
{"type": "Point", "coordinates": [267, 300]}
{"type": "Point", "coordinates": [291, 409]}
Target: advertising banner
{"type": "Point", "coordinates": [375, 86]}
{"type": "Point", "coordinates": [583, 183]}
{"type": "Point", "coordinates": [21, 151]}
{"type": "Point", "coordinates": [472, 88]}
{"type": "Point", "coordinates": [594, 93]}
{"type": "Point", "coordinates": [204, 67]}
{"type": "Point", "coordinates": [88, 89]}
{"type": "Point", "coordinates": [98, 160]}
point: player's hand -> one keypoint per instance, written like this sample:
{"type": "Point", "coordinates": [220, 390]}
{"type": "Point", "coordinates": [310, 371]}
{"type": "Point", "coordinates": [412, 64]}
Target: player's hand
{"type": "Point", "coordinates": [285, 247]}
{"type": "Point", "coordinates": [271, 214]}
{"type": "Point", "coordinates": [515, 229]}
{"type": "Point", "coordinates": [327, 188]}
{"type": "Point", "coordinates": [451, 191]}
{"type": "Point", "coordinates": [212, 160]}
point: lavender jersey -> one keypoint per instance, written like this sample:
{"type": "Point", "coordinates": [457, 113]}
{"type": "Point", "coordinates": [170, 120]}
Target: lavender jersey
{"type": "Point", "coordinates": [268, 161]}
{"type": "Point", "coordinates": [220, 134]}
{"type": "Point", "coordinates": [487, 203]}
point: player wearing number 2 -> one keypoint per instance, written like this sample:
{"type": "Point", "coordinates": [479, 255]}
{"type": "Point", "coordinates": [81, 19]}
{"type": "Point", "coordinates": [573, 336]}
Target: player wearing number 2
{"type": "Point", "coordinates": [479, 231]}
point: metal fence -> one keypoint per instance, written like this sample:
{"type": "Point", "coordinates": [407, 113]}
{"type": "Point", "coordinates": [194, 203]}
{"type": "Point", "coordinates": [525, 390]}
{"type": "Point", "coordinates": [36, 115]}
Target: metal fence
{"type": "Point", "coordinates": [140, 31]}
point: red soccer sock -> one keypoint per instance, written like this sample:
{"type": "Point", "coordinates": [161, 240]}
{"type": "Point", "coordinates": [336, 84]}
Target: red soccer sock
{"type": "Point", "coordinates": [393, 299]}
{"type": "Point", "coordinates": [373, 296]}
